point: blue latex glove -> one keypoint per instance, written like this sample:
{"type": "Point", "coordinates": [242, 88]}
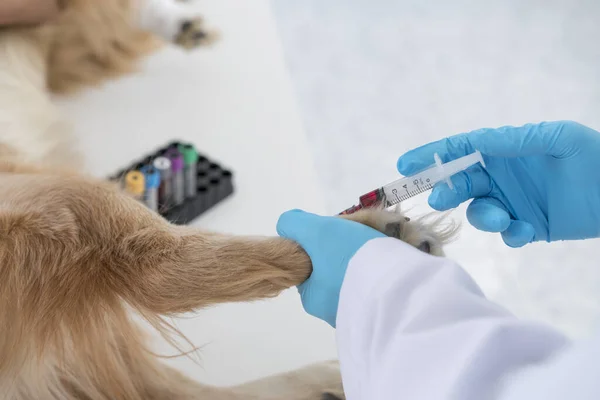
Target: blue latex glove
{"type": "Point", "coordinates": [330, 243]}
{"type": "Point", "coordinates": [541, 182]}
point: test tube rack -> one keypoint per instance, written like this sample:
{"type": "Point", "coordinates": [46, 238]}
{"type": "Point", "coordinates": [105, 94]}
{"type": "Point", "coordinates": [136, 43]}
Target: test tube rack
{"type": "Point", "coordinates": [214, 184]}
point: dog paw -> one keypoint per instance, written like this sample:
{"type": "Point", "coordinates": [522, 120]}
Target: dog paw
{"type": "Point", "coordinates": [193, 33]}
{"type": "Point", "coordinates": [326, 379]}
{"type": "Point", "coordinates": [428, 233]}
{"type": "Point", "coordinates": [319, 381]}
{"type": "Point", "coordinates": [331, 396]}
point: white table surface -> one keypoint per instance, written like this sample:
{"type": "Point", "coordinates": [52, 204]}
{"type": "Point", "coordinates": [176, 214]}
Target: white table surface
{"type": "Point", "coordinates": [235, 103]}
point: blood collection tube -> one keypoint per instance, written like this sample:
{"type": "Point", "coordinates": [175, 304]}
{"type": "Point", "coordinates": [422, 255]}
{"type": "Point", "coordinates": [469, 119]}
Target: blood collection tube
{"type": "Point", "coordinates": [177, 165]}
{"type": "Point", "coordinates": [165, 190]}
{"type": "Point", "coordinates": [190, 158]}
{"type": "Point", "coordinates": [152, 183]}
{"type": "Point", "coordinates": [134, 184]}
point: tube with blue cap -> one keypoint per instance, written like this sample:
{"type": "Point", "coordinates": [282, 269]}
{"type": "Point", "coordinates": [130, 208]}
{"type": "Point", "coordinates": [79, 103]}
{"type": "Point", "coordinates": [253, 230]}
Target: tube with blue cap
{"type": "Point", "coordinates": [152, 180]}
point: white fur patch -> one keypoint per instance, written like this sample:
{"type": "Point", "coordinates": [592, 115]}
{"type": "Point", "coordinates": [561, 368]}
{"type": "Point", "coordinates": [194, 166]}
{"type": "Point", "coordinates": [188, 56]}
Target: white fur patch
{"type": "Point", "coordinates": [163, 17]}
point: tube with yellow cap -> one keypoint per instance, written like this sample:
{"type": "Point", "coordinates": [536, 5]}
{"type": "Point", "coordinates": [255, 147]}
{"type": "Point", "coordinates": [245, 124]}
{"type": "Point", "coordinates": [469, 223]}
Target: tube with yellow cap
{"type": "Point", "coordinates": [134, 184]}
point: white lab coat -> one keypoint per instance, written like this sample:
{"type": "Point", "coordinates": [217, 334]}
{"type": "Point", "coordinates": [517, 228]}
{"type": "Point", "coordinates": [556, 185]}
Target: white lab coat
{"type": "Point", "coordinates": [411, 326]}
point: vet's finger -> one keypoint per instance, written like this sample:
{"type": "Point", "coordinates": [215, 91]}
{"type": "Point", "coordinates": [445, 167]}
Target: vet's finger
{"type": "Point", "coordinates": [551, 138]}
{"type": "Point", "coordinates": [507, 141]}
{"type": "Point", "coordinates": [467, 185]}
{"type": "Point", "coordinates": [489, 215]}
{"type": "Point", "coordinates": [314, 297]}
{"type": "Point", "coordinates": [416, 160]}
{"type": "Point", "coordinates": [518, 234]}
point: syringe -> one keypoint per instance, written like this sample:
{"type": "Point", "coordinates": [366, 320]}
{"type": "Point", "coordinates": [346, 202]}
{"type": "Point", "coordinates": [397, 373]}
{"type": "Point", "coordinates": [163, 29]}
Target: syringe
{"type": "Point", "coordinates": [410, 186]}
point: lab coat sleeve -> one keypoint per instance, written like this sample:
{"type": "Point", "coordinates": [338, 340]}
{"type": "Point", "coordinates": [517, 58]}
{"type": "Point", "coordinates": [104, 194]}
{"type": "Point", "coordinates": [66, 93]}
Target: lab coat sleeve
{"type": "Point", "coordinates": [414, 326]}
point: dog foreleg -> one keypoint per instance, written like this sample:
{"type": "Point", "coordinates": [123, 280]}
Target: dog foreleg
{"type": "Point", "coordinates": [174, 22]}
{"type": "Point", "coordinates": [321, 381]}
{"type": "Point", "coordinates": [180, 270]}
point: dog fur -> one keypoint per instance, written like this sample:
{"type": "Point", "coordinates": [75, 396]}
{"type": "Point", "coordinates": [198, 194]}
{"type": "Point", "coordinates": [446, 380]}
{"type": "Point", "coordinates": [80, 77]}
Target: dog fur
{"type": "Point", "coordinates": [95, 40]}
{"type": "Point", "coordinates": [79, 259]}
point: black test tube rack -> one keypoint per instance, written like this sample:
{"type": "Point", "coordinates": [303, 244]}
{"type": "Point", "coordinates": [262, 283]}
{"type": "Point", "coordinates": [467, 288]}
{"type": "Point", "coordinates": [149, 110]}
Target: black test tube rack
{"type": "Point", "coordinates": [215, 184]}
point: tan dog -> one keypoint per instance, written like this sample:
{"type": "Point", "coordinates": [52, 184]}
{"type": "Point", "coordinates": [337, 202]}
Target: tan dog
{"type": "Point", "coordinates": [78, 258]}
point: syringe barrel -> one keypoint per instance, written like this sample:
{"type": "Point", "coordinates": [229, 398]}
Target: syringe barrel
{"type": "Point", "coordinates": [431, 175]}
{"type": "Point", "coordinates": [444, 171]}
{"type": "Point", "coordinates": [462, 163]}
{"type": "Point", "coordinates": [409, 186]}
{"type": "Point", "coordinates": [371, 199]}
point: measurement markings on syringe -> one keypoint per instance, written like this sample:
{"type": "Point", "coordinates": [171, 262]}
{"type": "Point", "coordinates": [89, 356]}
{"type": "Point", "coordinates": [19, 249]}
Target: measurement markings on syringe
{"type": "Point", "coordinates": [415, 190]}
{"type": "Point", "coordinates": [407, 187]}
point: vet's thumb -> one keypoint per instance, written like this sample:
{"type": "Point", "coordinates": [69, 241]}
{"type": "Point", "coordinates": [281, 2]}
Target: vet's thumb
{"type": "Point", "coordinates": [299, 226]}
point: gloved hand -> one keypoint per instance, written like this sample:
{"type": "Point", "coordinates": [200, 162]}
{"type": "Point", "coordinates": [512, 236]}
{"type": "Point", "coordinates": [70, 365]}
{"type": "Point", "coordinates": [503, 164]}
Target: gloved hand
{"type": "Point", "coordinates": [330, 243]}
{"type": "Point", "coordinates": [541, 182]}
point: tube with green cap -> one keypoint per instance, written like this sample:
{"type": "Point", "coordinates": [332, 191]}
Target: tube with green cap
{"type": "Point", "coordinates": [190, 158]}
